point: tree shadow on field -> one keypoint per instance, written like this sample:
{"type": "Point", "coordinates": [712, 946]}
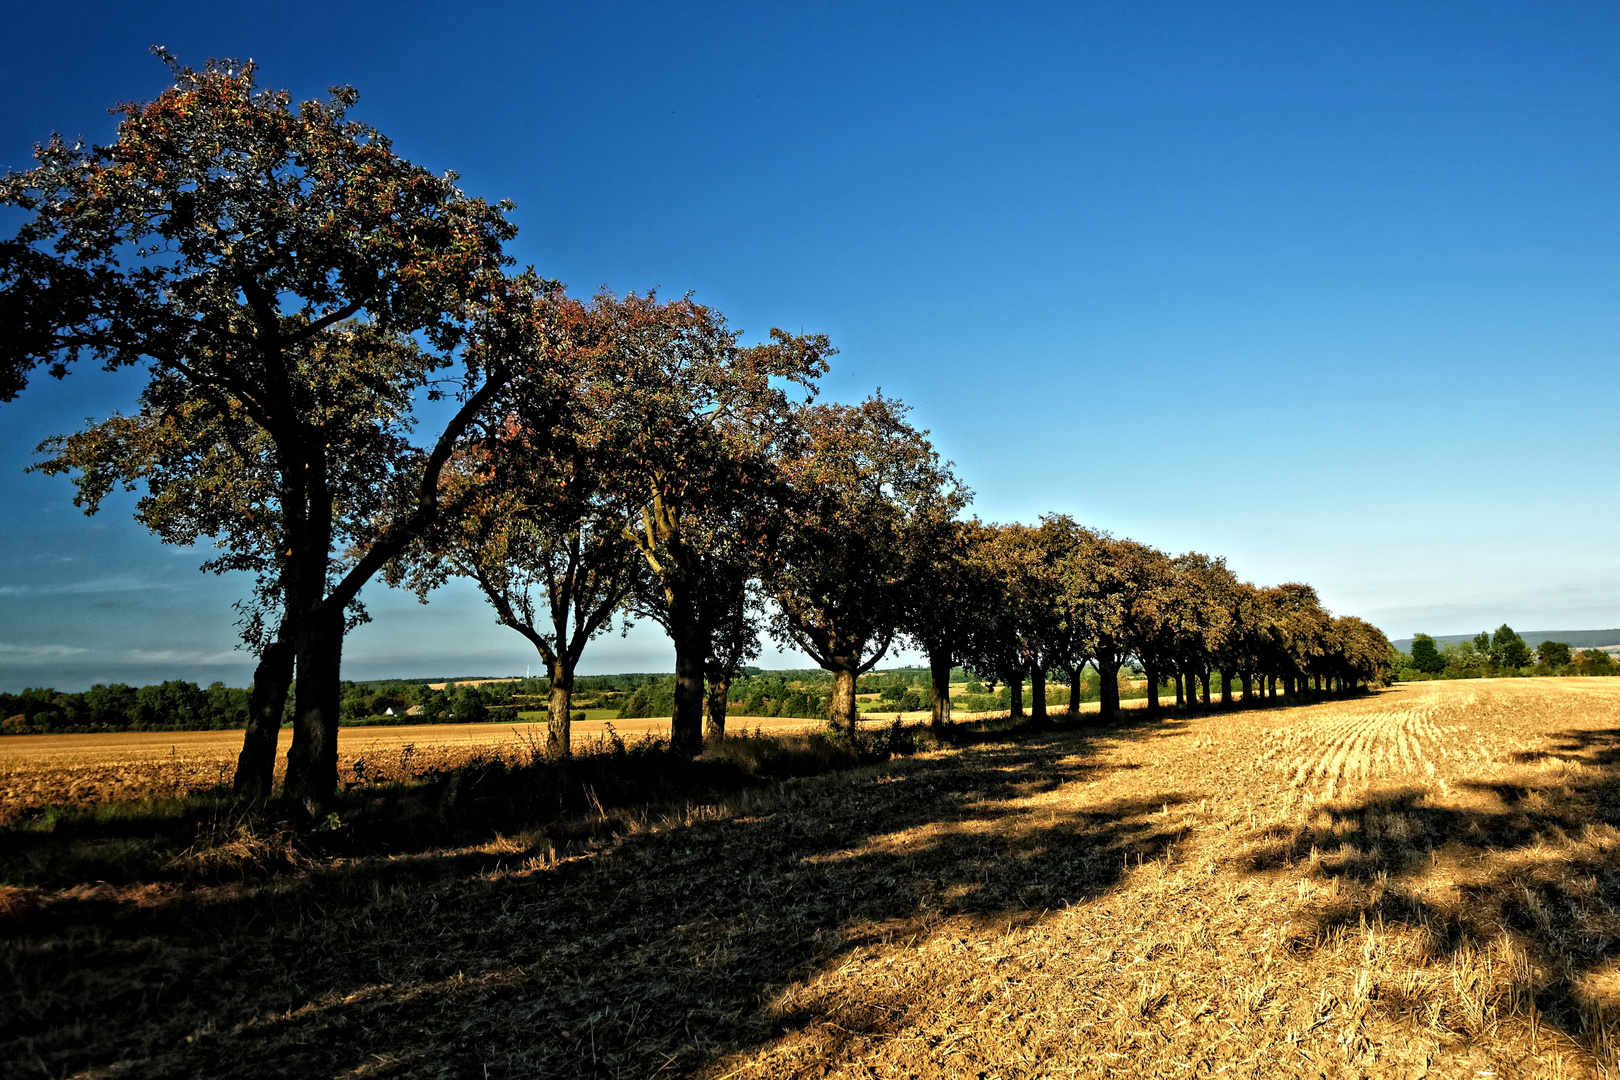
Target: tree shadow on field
{"type": "Point", "coordinates": [656, 955]}
{"type": "Point", "coordinates": [1535, 862]}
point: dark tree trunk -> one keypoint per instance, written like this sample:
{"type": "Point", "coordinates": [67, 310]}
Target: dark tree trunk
{"type": "Point", "coordinates": [559, 718]}
{"type": "Point", "coordinates": [256, 766]}
{"type": "Point", "coordinates": [686, 722]}
{"type": "Point", "coordinates": [1181, 698]}
{"type": "Point", "coordinates": [1226, 688]}
{"type": "Point", "coordinates": [691, 640]}
{"type": "Point", "coordinates": [1203, 684]}
{"type": "Point", "coordinates": [1037, 692]}
{"type": "Point", "coordinates": [1107, 687]}
{"type": "Point", "coordinates": [939, 673]}
{"type": "Point", "coordinates": [1248, 688]}
{"type": "Point", "coordinates": [844, 713]}
{"type": "Point", "coordinates": [1015, 697]}
{"type": "Point", "coordinates": [312, 759]}
{"type": "Point", "coordinates": [1152, 673]}
{"type": "Point", "coordinates": [714, 721]}
{"type": "Point", "coordinates": [1074, 690]}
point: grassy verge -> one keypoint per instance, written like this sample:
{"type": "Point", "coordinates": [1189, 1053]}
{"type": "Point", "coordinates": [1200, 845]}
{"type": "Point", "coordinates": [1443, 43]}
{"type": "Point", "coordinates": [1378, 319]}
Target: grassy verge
{"type": "Point", "coordinates": [207, 837]}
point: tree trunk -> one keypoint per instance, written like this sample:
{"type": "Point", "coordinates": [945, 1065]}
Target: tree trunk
{"type": "Point", "coordinates": [691, 640]}
{"type": "Point", "coordinates": [312, 759]}
{"type": "Point", "coordinates": [1074, 690]}
{"type": "Point", "coordinates": [714, 720]}
{"type": "Point", "coordinates": [844, 713]}
{"type": "Point", "coordinates": [1037, 692]}
{"type": "Point", "coordinates": [939, 673]}
{"type": "Point", "coordinates": [1107, 687]}
{"type": "Point", "coordinates": [1152, 674]}
{"type": "Point", "coordinates": [1015, 697]}
{"type": "Point", "coordinates": [1181, 698]}
{"type": "Point", "coordinates": [559, 719]}
{"type": "Point", "coordinates": [1226, 688]}
{"type": "Point", "coordinates": [1203, 684]}
{"type": "Point", "coordinates": [686, 722]}
{"type": "Point", "coordinates": [256, 766]}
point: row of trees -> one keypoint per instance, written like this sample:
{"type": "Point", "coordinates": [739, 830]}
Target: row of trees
{"type": "Point", "coordinates": [297, 292]}
{"type": "Point", "coordinates": [178, 705]}
{"type": "Point", "coordinates": [1501, 653]}
{"type": "Point", "coordinates": [1054, 597]}
{"type": "Point", "coordinates": [175, 705]}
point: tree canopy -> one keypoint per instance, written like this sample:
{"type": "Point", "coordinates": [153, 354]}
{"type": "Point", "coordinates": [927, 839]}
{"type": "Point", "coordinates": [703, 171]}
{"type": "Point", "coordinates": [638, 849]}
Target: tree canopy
{"type": "Point", "coordinates": [286, 279]}
{"type": "Point", "coordinates": [296, 292]}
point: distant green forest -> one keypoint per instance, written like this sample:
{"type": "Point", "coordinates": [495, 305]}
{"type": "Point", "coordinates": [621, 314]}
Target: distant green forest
{"type": "Point", "coordinates": [1575, 639]}
{"type": "Point", "coordinates": [1502, 654]}
{"type": "Point", "coordinates": [177, 705]}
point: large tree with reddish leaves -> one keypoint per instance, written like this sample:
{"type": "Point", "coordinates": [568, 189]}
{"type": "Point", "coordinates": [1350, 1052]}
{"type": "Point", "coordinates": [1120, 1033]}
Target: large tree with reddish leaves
{"type": "Point", "coordinates": [540, 502]}
{"type": "Point", "coordinates": [700, 420]}
{"type": "Point", "coordinates": [866, 489]}
{"type": "Point", "coordinates": [220, 241]}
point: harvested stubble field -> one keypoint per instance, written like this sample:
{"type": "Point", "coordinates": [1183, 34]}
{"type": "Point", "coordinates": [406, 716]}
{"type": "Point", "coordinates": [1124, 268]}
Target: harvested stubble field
{"type": "Point", "coordinates": [42, 771]}
{"type": "Point", "coordinates": [1418, 883]}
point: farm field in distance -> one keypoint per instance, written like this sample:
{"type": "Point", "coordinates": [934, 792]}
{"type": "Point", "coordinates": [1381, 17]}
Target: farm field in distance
{"type": "Point", "coordinates": [1421, 882]}
{"type": "Point", "coordinates": [37, 771]}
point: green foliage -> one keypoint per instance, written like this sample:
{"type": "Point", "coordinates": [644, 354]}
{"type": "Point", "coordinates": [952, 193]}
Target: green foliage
{"type": "Point", "coordinates": [1426, 655]}
{"type": "Point", "coordinates": [469, 704]}
{"type": "Point", "coordinates": [653, 698]}
{"type": "Point", "coordinates": [1465, 660]}
{"type": "Point", "coordinates": [893, 681]}
{"type": "Point", "coordinates": [1508, 649]}
{"type": "Point", "coordinates": [1553, 654]}
{"type": "Point", "coordinates": [1503, 653]}
{"type": "Point", "coordinates": [175, 705]}
{"type": "Point", "coordinates": [1594, 662]}
{"type": "Point", "coordinates": [781, 694]}
{"type": "Point", "coordinates": [371, 699]}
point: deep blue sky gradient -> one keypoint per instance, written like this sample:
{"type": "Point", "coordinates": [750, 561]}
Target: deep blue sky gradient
{"type": "Point", "coordinates": [1327, 289]}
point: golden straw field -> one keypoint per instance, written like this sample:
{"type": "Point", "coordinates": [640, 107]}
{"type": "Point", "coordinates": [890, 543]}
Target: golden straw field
{"type": "Point", "coordinates": [1423, 882]}
{"type": "Point", "coordinates": [38, 771]}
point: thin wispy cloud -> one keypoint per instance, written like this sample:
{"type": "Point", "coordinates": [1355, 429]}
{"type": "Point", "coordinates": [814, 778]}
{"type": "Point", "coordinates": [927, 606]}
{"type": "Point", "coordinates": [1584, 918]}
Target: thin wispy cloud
{"type": "Point", "coordinates": [122, 584]}
{"type": "Point", "coordinates": [30, 654]}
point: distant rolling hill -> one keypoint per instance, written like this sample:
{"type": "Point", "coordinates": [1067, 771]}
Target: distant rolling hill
{"type": "Point", "coordinates": [1575, 639]}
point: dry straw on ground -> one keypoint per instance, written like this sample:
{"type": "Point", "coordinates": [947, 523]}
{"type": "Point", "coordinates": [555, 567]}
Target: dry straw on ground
{"type": "Point", "coordinates": [1419, 883]}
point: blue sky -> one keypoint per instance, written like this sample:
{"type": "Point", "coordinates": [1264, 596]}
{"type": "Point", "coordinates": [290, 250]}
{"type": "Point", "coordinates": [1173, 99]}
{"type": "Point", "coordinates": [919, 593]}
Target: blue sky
{"type": "Point", "coordinates": [1327, 289]}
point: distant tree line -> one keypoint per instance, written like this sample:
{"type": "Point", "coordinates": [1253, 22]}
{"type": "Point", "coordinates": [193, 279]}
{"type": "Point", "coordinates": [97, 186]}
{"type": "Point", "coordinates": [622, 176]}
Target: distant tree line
{"type": "Point", "coordinates": [1489, 655]}
{"type": "Point", "coordinates": [175, 705]}
{"type": "Point", "coordinates": [295, 291]}
{"type": "Point", "coordinates": [178, 705]}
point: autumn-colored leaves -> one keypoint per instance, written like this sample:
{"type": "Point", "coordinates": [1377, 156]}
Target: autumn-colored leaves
{"type": "Point", "coordinates": [295, 289]}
